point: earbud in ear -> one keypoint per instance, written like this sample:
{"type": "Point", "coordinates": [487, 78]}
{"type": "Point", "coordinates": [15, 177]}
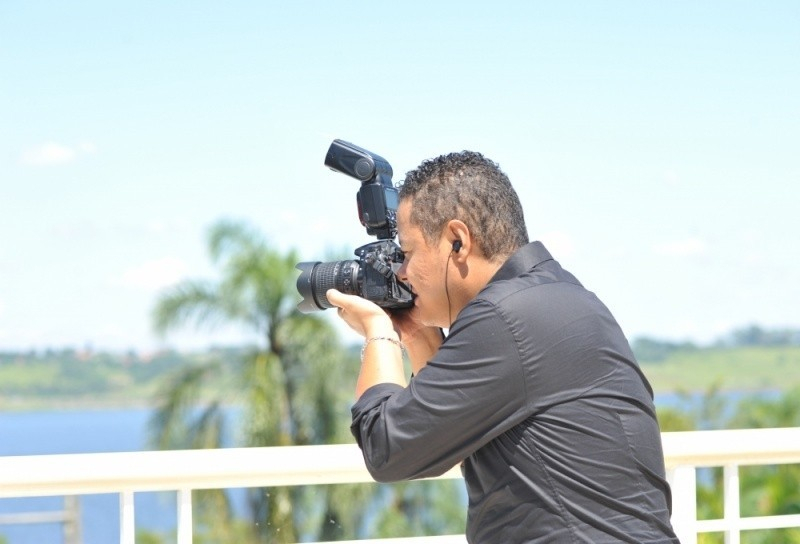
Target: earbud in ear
{"type": "Point", "coordinates": [457, 246]}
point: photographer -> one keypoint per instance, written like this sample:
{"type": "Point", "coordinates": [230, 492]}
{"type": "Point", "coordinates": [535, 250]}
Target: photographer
{"type": "Point", "coordinates": [535, 390]}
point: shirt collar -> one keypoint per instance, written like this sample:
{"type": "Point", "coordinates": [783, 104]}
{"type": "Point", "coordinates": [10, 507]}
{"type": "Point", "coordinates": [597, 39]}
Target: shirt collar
{"type": "Point", "coordinates": [524, 259]}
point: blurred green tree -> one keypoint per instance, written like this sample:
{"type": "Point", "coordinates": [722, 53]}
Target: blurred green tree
{"type": "Point", "coordinates": [294, 386]}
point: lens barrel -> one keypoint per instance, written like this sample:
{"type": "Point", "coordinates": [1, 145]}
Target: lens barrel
{"type": "Point", "coordinates": [316, 278]}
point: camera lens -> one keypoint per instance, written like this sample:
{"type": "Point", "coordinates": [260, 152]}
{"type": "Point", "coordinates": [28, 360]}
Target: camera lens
{"type": "Point", "coordinates": [316, 278]}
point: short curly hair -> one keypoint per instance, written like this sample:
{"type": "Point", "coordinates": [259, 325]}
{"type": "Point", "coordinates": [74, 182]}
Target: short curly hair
{"type": "Point", "coordinates": [471, 188]}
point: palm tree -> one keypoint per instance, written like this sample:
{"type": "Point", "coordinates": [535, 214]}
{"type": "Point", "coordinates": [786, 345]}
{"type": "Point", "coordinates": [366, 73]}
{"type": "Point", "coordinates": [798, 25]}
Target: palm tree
{"type": "Point", "coordinates": [294, 385]}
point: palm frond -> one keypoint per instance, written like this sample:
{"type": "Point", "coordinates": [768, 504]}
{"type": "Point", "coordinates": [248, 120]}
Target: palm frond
{"type": "Point", "coordinates": [228, 237]}
{"type": "Point", "coordinates": [189, 302]}
{"type": "Point", "coordinates": [171, 422]}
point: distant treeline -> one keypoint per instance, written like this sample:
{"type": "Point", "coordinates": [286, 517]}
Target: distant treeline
{"type": "Point", "coordinates": [654, 350]}
{"type": "Point", "coordinates": [645, 347]}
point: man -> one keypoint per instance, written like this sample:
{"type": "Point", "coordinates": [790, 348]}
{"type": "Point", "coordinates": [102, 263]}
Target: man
{"type": "Point", "coordinates": [535, 390]}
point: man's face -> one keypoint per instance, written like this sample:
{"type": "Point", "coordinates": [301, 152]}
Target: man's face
{"type": "Point", "coordinates": [424, 268]}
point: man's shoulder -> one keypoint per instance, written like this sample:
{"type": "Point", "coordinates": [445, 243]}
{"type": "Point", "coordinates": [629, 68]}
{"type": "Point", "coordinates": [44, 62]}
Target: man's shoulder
{"type": "Point", "coordinates": [536, 303]}
{"type": "Point", "coordinates": [548, 274]}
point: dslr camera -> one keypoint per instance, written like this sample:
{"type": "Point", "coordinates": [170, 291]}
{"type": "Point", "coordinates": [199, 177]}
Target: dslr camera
{"type": "Point", "coordinates": [373, 274]}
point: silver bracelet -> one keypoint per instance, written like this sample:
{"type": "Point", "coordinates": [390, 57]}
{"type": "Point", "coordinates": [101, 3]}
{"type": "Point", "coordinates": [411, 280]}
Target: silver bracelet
{"type": "Point", "coordinates": [387, 338]}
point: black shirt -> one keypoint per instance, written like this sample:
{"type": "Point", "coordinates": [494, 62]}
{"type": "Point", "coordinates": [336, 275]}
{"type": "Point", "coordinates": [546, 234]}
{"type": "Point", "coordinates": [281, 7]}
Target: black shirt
{"type": "Point", "coordinates": [536, 390]}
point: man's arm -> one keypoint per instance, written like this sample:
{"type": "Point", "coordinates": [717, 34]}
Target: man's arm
{"type": "Point", "coordinates": [470, 391]}
{"type": "Point", "coordinates": [382, 355]}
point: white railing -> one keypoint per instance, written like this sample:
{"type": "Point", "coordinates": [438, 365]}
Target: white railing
{"type": "Point", "coordinates": [685, 452]}
{"type": "Point", "coordinates": [184, 471]}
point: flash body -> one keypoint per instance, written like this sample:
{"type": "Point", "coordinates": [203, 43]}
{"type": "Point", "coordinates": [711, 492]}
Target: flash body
{"type": "Point", "coordinates": [377, 197]}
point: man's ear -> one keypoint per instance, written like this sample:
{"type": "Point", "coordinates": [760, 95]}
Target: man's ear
{"type": "Point", "coordinates": [457, 233]}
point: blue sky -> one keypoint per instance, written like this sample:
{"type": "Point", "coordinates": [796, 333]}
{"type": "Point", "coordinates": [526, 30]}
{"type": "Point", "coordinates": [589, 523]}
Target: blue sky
{"type": "Point", "coordinates": [655, 146]}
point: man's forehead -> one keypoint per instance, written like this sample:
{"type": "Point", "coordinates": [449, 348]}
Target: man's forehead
{"type": "Point", "coordinates": [403, 213]}
{"type": "Point", "coordinates": [404, 225]}
{"type": "Point", "coordinates": [402, 234]}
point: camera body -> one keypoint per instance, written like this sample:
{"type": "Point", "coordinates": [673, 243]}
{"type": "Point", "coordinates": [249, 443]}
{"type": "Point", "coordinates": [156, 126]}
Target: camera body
{"type": "Point", "coordinates": [373, 274]}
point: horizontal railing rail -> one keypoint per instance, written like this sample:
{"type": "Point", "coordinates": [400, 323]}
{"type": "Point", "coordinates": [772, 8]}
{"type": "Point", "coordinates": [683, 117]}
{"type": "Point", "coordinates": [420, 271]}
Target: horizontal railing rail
{"type": "Point", "coordinates": [127, 473]}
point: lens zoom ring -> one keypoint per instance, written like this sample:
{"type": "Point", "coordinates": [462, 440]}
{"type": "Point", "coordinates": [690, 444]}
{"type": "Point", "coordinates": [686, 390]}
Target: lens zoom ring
{"type": "Point", "coordinates": [336, 275]}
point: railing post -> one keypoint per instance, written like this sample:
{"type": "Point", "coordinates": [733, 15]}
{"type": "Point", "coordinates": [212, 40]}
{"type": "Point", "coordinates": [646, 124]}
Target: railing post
{"type": "Point", "coordinates": [127, 525]}
{"type": "Point", "coordinates": [732, 512]}
{"type": "Point", "coordinates": [184, 516]}
{"type": "Point", "coordinates": [72, 520]}
{"type": "Point", "coordinates": [683, 481]}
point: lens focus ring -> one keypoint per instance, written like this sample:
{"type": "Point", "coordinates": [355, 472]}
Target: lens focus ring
{"type": "Point", "coordinates": [339, 275]}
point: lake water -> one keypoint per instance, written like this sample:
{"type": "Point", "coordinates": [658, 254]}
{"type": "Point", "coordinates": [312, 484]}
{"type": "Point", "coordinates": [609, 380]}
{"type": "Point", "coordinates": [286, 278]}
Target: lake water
{"type": "Point", "coordinates": [82, 431]}
{"type": "Point", "coordinates": [96, 431]}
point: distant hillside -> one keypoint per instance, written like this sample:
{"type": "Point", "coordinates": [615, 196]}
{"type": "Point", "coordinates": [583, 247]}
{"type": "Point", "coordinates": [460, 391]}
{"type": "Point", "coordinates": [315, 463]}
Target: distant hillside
{"type": "Point", "coordinates": [57, 378]}
{"type": "Point", "coordinates": [737, 368]}
{"type": "Point", "coordinates": [746, 359]}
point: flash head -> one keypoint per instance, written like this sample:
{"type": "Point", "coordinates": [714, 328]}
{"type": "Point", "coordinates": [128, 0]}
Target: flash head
{"type": "Point", "coordinates": [357, 162]}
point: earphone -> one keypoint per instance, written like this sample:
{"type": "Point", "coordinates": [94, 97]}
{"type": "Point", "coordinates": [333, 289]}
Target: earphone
{"type": "Point", "coordinates": [456, 248]}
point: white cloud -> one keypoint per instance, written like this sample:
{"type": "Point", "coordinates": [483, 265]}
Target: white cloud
{"type": "Point", "coordinates": [289, 217]}
{"type": "Point", "coordinates": [154, 275]}
{"type": "Point", "coordinates": [155, 226]}
{"type": "Point", "coordinates": [681, 248]}
{"type": "Point", "coordinates": [671, 178]}
{"type": "Point", "coordinates": [50, 153]}
{"type": "Point", "coordinates": [87, 147]}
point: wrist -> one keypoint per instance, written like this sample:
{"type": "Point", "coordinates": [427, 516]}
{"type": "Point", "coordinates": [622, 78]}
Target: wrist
{"type": "Point", "coordinates": [380, 327]}
{"type": "Point", "coordinates": [389, 339]}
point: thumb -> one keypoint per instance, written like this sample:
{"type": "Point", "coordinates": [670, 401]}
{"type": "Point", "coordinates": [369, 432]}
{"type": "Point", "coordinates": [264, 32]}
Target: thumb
{"type": "Point", "coordinates": [335, 297]}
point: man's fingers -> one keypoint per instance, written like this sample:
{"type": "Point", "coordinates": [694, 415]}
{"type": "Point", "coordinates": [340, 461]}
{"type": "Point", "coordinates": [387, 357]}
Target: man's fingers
{"type": "Point", "coordinates": [334, 297]}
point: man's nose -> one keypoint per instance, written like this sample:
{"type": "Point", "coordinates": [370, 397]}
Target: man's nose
{"type": "Point", "coordinates": [401, 272]}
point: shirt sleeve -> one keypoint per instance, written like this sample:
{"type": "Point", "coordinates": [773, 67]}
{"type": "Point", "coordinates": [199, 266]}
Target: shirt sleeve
{"type": "Point", "coordinates": [472, 391]}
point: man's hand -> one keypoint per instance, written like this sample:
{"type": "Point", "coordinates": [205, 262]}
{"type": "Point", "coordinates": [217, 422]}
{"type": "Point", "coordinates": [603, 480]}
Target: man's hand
{"type": "Point", "coordinates": [381, 358]}
{"type": "Point", "coordinates": [370, 320]}
{"type": "Point", "coordinates": [365, 317]}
